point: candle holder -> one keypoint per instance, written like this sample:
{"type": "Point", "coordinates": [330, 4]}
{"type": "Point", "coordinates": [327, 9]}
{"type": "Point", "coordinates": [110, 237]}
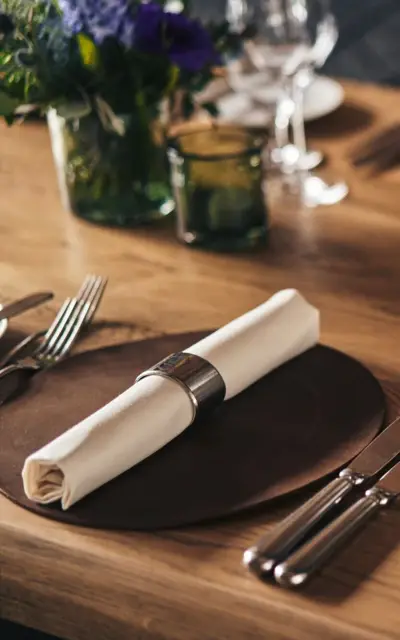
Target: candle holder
{"type": "Point", "coordinates": [217, 177]}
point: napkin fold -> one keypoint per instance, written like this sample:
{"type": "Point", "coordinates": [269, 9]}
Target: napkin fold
{"type": "Point", "coordinates": [156, 410]}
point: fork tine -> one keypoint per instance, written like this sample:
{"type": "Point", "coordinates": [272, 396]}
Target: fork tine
{"type": "Point", "coordinates": [79, 321]}
{"type": "Point", "coordinates": [66, 316]}
{"type": "Point", "coordinates": [58, 331]}
{"type": "Point", "coordinates": [64, 327]}
{"type": "Point", "coordinates": [86, 285]}
{"type": "Point", "coordinates": [65, 348]}
{"type": "Point", "coordinates": [70, 333]}
{"type": "Point", "coordinates": [96, 302]}
{"type": "Point", "coordinates": [63, 317]}
{"type": "Point", "coordinates": [56, 327]}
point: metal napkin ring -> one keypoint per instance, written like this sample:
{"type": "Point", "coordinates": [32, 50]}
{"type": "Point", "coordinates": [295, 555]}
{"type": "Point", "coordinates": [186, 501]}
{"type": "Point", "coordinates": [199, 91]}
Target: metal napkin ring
{"type": "Point", "coordinates": [201, 381]}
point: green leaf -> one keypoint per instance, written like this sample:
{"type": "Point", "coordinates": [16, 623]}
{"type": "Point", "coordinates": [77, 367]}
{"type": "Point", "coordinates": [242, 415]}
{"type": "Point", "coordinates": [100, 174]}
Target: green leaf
{"type": "Point", "coordinates": [7, 104]}
{"type": "Point", "coordinates": [88, 50]}
{"type": "Point", "coordinates": [173, 78]}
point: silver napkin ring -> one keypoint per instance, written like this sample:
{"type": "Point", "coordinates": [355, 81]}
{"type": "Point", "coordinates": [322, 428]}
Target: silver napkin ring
{"type": "Point", "coordinates": [200, 379]}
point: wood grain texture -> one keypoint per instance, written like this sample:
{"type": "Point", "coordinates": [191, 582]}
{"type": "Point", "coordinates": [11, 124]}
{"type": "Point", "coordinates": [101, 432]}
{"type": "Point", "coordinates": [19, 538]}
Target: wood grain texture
{"type": "Point", "coordinates": [189, 584]}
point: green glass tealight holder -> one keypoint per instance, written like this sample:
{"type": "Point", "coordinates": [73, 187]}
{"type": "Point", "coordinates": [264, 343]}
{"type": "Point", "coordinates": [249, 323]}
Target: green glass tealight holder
{"type": "Point", "coordinates": [218, 182]}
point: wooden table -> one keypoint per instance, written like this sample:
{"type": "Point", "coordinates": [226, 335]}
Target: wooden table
{"type": "Point", "coordinates": [189, 584]}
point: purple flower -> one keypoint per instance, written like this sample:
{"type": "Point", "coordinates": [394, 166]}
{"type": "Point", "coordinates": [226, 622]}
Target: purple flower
{"type": "Point", "coordinates": [184, 41]}
{"type": "Point", "coordinates": [100, 19]}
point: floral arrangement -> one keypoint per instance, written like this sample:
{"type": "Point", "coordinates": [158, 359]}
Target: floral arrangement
{"type": "Point", "coordinates": [112, 56]}
{"type": "Point", "coordinates": [109, 74]}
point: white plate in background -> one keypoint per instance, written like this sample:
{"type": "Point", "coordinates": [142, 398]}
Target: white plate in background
{"type": "Point", "coordinates": [322, 97]}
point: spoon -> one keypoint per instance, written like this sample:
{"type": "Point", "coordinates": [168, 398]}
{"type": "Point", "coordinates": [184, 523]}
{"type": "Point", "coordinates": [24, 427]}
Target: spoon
{"type": "Point", "coordinates": [25, 304]}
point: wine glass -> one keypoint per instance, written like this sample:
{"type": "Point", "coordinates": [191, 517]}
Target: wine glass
{"type": "Point", "coordinates": [321, 34]}
{"type": "Point", "coordinates": [283, 40]}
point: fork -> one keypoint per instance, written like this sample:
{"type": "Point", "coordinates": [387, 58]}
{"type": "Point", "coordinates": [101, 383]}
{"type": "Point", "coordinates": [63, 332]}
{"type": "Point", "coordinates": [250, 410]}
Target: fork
{"type": "Point", "coordinates": [58, 340]}
{"type": "Point", "coordinates": [36, 338]}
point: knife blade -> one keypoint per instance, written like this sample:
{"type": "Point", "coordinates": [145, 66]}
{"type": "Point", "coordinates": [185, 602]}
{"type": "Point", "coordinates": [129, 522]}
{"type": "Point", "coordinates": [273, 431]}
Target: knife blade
{"type": "Point", "coordinates": [273, 548]}
{"type": "Point", "coordinates": [25, 304]}
{"type": "Point", "coordinates": [300, 566]}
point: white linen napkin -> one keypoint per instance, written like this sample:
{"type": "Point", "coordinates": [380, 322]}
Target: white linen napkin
{"type": "Point", "coordinates": [156, 410]}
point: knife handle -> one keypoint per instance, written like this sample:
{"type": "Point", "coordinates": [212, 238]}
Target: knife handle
{"type": "Point", "coordinates": [276, 546]}
{"type": "Point", "coordinates": [300, 566]}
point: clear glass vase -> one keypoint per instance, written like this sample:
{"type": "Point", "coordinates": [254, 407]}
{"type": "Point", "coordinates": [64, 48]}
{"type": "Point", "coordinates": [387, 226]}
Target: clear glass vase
{"type": "Point", "coordinates": [109, 177]}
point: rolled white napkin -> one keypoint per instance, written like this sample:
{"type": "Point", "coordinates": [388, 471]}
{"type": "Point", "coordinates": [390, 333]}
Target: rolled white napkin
{"type": "Point", "coordinates": [156, 410]}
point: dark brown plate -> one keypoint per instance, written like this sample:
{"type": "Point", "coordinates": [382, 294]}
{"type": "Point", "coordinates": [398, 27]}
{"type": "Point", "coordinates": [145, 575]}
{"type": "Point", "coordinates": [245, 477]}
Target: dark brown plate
{"type": "Point", "coordinates": [292, 428]}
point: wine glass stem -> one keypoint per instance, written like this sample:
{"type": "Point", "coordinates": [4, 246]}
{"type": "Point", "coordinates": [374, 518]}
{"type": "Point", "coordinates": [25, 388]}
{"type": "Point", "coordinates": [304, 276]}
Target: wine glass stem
{"type": "Point", "coordinates": [282, 121]}
{"type": "Point", "coordinates": [299, 134]}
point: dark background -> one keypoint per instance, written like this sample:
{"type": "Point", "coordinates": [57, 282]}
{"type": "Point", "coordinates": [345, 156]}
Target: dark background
{"type": "Point", "coordinates": [369, 42]}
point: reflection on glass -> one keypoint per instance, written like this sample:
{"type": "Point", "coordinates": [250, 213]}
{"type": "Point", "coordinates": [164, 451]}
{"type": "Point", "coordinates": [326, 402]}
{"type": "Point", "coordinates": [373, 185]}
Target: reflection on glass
{"type": "Point", "coordinates": [283, 41]}
{"type": "Point", "coordinates": [217, 176]}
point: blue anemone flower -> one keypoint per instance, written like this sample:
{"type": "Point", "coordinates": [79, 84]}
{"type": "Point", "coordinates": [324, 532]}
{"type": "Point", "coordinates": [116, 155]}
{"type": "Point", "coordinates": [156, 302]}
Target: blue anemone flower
{"type": "Point", "coordinates": [100, 19]}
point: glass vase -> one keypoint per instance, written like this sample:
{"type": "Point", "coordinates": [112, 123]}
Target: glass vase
{"type": "Point", "coordinates": [118, 178]}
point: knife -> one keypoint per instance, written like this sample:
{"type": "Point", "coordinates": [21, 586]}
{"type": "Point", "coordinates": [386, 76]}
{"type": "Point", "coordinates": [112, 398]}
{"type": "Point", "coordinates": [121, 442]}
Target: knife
{"type": "Point", "coordinates": [275, 547]}
{"type": "Point", "coordinates": [299, 567]}
{"type": "Point", "coordinates": [20, 306]}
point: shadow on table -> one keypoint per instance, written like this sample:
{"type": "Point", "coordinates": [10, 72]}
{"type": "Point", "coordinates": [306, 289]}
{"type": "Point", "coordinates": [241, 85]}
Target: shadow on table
{"type": "Point", "coordinates": [11, 631]}
{"type": "Point", "coordinates": [349, 118]}
{"type": "Point", "coordinates": [124, 329]}
{"type": "Point", "coordinates": [356, 563]}
{"type": "Point", "coordinates": [10, 339]}
{"type": "Point", "coordinates": [352, 566]}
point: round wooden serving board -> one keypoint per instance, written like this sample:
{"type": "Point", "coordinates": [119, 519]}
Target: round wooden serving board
{"type": "Point", "coordinates": [295, 426]}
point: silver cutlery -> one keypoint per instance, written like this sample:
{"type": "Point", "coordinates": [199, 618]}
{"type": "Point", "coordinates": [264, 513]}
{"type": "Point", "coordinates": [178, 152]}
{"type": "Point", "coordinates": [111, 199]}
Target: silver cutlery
{"type": "Point", "coordinates": [58, 340]}
{"type": "Point", "coordinates": [27, 345]}
{"type": "Point", "coordinates": [275, 547]}
{"type": "Point", "coordinates": [25, 304]}
{"type": "Point", "coordinates": [302, 564]}
{"type": "Point", "coordinates": [32, 342]}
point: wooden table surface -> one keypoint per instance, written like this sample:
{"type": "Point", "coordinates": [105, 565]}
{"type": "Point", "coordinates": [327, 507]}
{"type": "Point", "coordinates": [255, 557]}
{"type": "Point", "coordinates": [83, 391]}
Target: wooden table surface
{"type": "Point", "coordinates": [189, 584]}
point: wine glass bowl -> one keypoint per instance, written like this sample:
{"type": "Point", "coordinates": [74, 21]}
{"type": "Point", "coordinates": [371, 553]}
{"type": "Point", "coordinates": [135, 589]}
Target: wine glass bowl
{"type": "Point", "coordinates": [283, 41]}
